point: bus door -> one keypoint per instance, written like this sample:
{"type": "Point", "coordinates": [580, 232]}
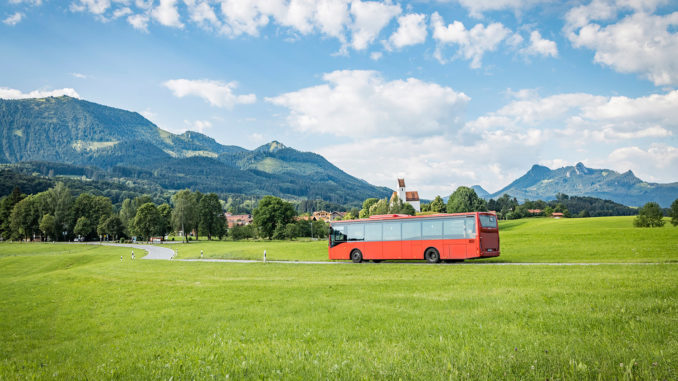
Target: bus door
{"type": "Point", "coordinates": [411, 246]}
{"type": "Point", "coordinates": [392, 244]}
{"type": "Point", "coordinates": [472, 239]}
{"type": "Point", "coordinates": [454, 236]}
{"type": "Point", "coordinates": [373, 244]}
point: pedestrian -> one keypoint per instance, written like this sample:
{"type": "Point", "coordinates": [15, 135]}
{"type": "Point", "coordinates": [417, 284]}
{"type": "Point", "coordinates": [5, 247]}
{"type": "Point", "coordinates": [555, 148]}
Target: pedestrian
{"type": "Point", "coordinates": [200, 254]}
{"type": "Point", "coordinates": [132, 254]}
{"type": "Point", "coordinates": [121, 258]}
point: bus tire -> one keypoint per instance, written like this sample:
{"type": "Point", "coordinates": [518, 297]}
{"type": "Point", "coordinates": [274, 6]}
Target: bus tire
{"type": "Point", "coordinates": [432, 256]}
{"type": "Point", "coordinates": [356, 256]}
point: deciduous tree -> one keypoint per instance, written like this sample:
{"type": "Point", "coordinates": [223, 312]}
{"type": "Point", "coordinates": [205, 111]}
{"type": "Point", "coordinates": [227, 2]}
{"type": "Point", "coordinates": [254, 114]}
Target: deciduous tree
{"type": "Point", "coordinates": [273, 213]}
{"type": "Point", "coordinates": [649, 216]}
{"type": "Point", "coordinates": [465, 199]}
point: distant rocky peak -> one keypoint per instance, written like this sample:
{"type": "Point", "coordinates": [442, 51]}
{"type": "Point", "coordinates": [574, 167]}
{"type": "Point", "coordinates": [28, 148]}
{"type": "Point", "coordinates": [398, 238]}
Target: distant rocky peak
{"type": "Point", "coordinates": [273, 146]}
{"type": "Point", "coordinates": [581, 169]}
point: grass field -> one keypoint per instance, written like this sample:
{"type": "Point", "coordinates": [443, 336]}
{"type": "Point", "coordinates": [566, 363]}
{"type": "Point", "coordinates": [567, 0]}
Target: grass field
{"type": "Point", "coordinates": [77, 311]}
{"type": "Point", "coordinates": [606, 239]}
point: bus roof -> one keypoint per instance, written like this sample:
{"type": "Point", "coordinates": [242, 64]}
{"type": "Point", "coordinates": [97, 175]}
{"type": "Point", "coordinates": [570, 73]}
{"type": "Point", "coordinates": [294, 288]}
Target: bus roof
{"type": "Point", "coordinates": [388, 217]}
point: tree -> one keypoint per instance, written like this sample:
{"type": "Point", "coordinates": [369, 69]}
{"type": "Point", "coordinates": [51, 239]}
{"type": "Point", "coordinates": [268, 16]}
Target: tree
{"type": "Point", "coordinates": [185, 213]}
{"type": "Point", "coordinates": [438, 205]}
{"type": "Point", "coordinates": [547, 212]}
{"type": "Point", "coordinates": [292, 231]}
{"type": "Point", "coordinates": [365, 211]}
{"type": "Point", "coordinates": [380, 207]}
{"type": "Point", "coordinates": [127, 213]}
{"type": "Point", "coordinates": [407, 208]}
{"type": "Point", "coordinates": [674, 213]}
{"type": "Point", "coordinates": [6, 206]}
{"type": "Point", "coordinates": [465, 199]}
{"type": "Point", "coordinates": [48, 227]}
{"type": "Point", "coordinates": [23, 219]}
{"type": "Point", "coordinates": [272, 213]}
{"type": "Point", "coordinates": [165, 211]}
{"type": "Point", "coordinates": [111, 226]}
{"type": "Point", "coordinates": [83, 227]}
{"type": "Point", "coordinates": [94, 208]}
{"type": "Point", "coordinates": [210, 215]}
{"type": "Point", "coordinates": [649, 216]}
{"type": "Point", "coordinates": [147, 222]}
{"type": "Point", "coordinates": [61, 207]}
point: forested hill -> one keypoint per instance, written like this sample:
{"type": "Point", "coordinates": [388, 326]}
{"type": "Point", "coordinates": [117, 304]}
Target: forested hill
{"type": "Point", "coordinates": [543, 183]}
{"type": "Point", "coordinates": [126, 145]}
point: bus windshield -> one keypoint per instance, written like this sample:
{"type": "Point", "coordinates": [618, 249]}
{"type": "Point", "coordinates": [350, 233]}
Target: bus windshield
{"type": "Point", "coordinates": [488, 221]}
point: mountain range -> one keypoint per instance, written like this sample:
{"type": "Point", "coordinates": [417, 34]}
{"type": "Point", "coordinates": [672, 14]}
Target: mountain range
{"type": "Point", "coordinates": [625, 188]}
{"type": "Point", "coordinates": [128, 146]}
{"type": "Point", "coordinates": [69, 136]}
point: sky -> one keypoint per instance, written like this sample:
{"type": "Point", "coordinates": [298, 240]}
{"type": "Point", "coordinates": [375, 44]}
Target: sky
{"type": "Point", "coordinates": [443, 93]}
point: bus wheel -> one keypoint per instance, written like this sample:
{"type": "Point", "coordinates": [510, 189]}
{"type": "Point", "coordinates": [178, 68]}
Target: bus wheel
{"type": "Point", "coordinates": [356, 256]}
{"type": "Point", "coordinates": [432, 256]}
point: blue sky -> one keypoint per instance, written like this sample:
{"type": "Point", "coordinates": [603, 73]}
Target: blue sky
{"type": "Point", "coordinates": [443, 93]}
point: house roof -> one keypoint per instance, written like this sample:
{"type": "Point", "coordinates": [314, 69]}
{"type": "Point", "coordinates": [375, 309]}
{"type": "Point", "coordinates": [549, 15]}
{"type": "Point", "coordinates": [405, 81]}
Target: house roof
{"type": "Point", "coordinates": [412, 196]}
{"type": "Point", "coordinates": [401, 183]}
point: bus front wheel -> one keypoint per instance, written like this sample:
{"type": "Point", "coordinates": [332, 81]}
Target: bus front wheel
{"type": "Point", "coordinates": [356, 256]}
{"type": "Point", "coordinates": [432, 256]}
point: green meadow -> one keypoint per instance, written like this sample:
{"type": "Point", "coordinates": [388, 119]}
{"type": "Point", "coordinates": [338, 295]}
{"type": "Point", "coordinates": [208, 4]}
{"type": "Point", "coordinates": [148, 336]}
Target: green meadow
{"type": "Point", "coordinates": [77, 312]}
{"type": "Point", "coordinates": [604, 239]}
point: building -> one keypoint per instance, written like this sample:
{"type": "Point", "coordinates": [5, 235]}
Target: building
{"type": "Point", "coordinates": [327, 216]}
{"type": "Point", "coordinates": [410, 197]}
{"type": "Point", "coordinates": [238, 219]}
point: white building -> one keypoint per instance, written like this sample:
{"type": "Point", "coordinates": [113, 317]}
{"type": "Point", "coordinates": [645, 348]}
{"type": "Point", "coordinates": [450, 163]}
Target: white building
{"type": "Point", "coordinates": [411, 197]}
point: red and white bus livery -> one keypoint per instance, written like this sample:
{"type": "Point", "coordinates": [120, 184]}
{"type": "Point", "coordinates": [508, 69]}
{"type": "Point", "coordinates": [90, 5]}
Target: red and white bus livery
{"type": "Point", "coordinates": [433, 238]}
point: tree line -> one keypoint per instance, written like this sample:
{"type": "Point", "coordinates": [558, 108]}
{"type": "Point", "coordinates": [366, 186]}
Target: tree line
{"type": "Point", "coordinates": [57, 215]}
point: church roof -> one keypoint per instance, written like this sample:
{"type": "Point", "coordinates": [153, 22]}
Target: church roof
{"type": "Point", "coordinates": [412, 196]}
{"type": "Point", "coordinates": [401, 183]}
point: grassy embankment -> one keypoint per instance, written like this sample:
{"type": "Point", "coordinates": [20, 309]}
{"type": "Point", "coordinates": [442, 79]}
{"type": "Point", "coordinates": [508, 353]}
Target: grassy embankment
{"type": "Point", "coordinates": [605, 239]}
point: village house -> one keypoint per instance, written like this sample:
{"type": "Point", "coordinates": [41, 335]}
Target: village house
{"type": "Point", "coordinates": [238, 219]}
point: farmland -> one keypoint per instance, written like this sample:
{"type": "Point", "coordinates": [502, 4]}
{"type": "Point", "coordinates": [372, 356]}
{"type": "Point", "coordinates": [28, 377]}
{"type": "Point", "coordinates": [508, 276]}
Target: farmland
{"type": "Point", "coordinates": [77, 311]}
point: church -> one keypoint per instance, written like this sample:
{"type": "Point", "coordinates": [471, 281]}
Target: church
{"type": "Point", "coordinates": [411, 197]}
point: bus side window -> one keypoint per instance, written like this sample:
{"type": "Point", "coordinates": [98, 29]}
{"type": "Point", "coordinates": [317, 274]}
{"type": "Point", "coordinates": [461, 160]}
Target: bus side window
{"type": "Point", "coordinates": [471, 227]}
{"type": "Point", "coordinates": [373, 231]}
{"type": "Point", "coordinates": [432, 229]}
{"type": "Point", "coordinates": [356, 232]}
{"type": "Point", "coordinates": [411, 230]}
{"type": "Point", "coordinates": [454, 228]}
{"type": "Point", "coordinates": [391, 231]}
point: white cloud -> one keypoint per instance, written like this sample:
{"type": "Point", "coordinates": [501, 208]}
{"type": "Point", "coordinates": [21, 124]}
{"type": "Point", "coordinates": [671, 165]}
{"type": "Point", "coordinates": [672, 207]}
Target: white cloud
{"type": "Point", "coordinates": [7, 93]}
{"type": "Point", "coordinates": [216, 93]}
{"type": "Point", "coordinates": [13, 19]}
{"type": "Point", "coordinates": [201, 12]}
{"type": "Point", "coordinates": [98, 7]}
{"type": "Point", "coordinates": [476, 8]}
{"type": "Point", "coordinates": [653, 164]}
{"type": "Point", "coordinates": [166, 13]}
{"type": "Point", "coordinates": [199, 125]}
{"type": "Point", "coordinates": [139, 22]}
{"type": "Point", "coordinates": [362, 103]}
{"type": "Point", "coordinates": [540, 46]}
{"type": "Point", "coordinates": [411, 31]}
{"type": "Point", "coordinates": [587, 118]}
{"type": "Point", "coordinates": [472, 43]}
{"type": "Point", "coordinates": [640, 43]}
{"type": "Point", "coordinates": [29, 2]}
{"type": "Point", "coordinates": [121, 12]}
{"type": "Point", "coordinates": [369, 18]}
{"type": "Point", "coordinates": [80, 75]}
{"type": "Point", "coordinates": [376, 56]}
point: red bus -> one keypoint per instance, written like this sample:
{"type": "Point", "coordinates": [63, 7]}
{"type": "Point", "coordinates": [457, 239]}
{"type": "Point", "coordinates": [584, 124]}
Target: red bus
{"type": "Point", "coordinates": [433, 238]}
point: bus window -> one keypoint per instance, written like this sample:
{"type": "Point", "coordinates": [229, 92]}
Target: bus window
{"type": "Point", "coordinates": [391, 231]}
{"type": "Point", "coordinates": [356, 232]}
{"type": "Point", "coordinates": [488, 221]}
{"type": "Point", "coordinates": [338, 235]}
{"type": "Point", "coordinates": [432, 229]}
{"type": "Point", "coordinates": [470, 227]}
{"type": "Point", "coordinates": [373, 232]}
{"type": "Point", "coordinates": [454, 228]}
{"type": "Point", "coordinates": [411, 230]}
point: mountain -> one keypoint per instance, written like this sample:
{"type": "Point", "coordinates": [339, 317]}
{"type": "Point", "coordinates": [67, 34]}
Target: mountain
{"type": "Point", "coordinates": [480, 191]}
{"type": "Point", "coordinates": [128, 146]}
{"type": "Point", "coordinates": [543, 183]}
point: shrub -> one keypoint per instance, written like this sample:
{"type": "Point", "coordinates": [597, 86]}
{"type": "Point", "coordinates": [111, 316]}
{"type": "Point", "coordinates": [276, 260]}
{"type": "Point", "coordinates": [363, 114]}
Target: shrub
{"type": "Point", "coordinates": [649, 216]}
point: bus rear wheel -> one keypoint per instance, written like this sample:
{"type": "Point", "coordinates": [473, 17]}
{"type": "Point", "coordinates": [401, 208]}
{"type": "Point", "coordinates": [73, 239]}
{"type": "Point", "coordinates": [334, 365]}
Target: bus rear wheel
{"type": "Point", "coordinates": [432, 256]}
{"type": "Point", "coordinates": [356, 256]}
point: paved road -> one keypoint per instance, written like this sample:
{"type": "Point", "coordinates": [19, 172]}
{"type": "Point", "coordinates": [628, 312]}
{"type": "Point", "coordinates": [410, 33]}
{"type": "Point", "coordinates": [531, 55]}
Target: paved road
{"type": "Point", "coordinates": [158, 252]}
{"type": "Point", "coordinates": [154, 252]}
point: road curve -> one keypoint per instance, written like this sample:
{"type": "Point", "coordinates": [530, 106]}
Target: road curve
{"type": "Point", "coordinates": [154, 252]}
